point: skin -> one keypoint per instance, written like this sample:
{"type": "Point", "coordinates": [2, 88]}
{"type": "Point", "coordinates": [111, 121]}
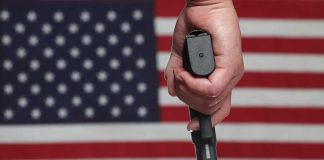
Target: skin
{"type": "Point", "coordinates": [210, 96]}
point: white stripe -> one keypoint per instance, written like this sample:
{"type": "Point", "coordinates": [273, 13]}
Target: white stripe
{"type": "Point", "coordinates": [265, 97]}
{"type": "Point", "coordinates": [155, 132]}
{"type": "Point", "coordinates": [282, 28]}
{"type": "Point", "coordinates": [284, 62]}
{"type": "Point", "coordinates": [270, 62]}
{"type": "Point", "coordinates": [260, 27]}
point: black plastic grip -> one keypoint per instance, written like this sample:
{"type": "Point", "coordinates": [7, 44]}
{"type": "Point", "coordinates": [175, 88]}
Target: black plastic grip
{"type": "Point", "coordinates": [199, 56]}
{"type": "Point", "coordinates": [198, 59]}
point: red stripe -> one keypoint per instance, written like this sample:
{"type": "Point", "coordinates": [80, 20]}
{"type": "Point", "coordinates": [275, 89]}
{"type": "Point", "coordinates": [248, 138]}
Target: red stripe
{"type": "Point", "coordinates": [157, 149]}
{"type": "Point", "coordinates": [283, 45]}
{"type": "Point", "coordinates": [252, 115]}
{"type": "Point", "coordinates": [281, 80]}
{"type": "Point", "coordinates": [280, 9]}
{"type": "Point", "coordinates": [256, 9]}
{"type": "Point", "coordinates": [265, 45]}
{"type": "Point", "coordinates": [271, 150]}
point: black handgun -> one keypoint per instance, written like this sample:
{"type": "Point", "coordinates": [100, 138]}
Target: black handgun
{"type": "Point", "coordinates": [198, 59]}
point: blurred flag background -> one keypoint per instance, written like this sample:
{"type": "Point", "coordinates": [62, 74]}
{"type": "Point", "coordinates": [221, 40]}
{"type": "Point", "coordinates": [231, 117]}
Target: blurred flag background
{"type": "Point", "coordinates": [84, 79]}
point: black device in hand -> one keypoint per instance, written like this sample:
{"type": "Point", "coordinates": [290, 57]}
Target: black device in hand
{"type": "Point", "coordinates": [198, 59]}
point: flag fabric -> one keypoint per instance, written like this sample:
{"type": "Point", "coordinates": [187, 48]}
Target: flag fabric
{"type": "Point", "coordinates": [83, 79]}
{"type": "Point", "coordinates": [68, 63]}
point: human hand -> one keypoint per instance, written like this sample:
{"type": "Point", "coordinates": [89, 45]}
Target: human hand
{"type": "Point", "coordinates": [212, 95]}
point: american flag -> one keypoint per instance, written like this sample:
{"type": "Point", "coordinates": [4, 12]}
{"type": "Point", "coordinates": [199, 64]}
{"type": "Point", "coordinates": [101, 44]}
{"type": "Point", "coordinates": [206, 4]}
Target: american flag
{"type": "Point", "coordinates": [79, 80]}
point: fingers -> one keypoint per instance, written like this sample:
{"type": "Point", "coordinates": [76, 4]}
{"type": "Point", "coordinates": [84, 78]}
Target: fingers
{"type": "Point", "coordinates": [175, 61]}
{"type": "Point", "coordinates": [179, 34]}
{"type": "Point", "coordinates": [223, 111]}
{"type": "Point", "coordinates": [193, 125]}
{"type": "Point", "coordinates": [215, 85]}
{"type": "Point", "coordinates": [217, 117]}
{"type": "Point", "coordinates": [200, 103]}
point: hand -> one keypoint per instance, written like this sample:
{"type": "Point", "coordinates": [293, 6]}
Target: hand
{"type": "Point", "coordinates": [210, 96]}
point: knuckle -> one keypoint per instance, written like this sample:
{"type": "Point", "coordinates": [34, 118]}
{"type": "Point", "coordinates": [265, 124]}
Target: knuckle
{"type": "Point", "coordinates": [207, 110]}
{"type": "Point", "coordinates": [226, 111]}
{"type": "Point", "coordinates": [171, 92]}
{"type": "Point", "coordinates": [210, 111]}
{"type": "Point", "coordinates": [211, 103]}
{"type": "Point", "coordinates": [238, 71]}
{"type": "Point", "coordinates": [204, 111]}
{"type": "Point", "coordinates": [213, 91]}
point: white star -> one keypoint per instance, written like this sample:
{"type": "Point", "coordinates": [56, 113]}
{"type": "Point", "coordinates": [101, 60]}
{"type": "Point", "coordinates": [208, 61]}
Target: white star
{"type": "Point", "coordinates": [22, 102]}
{"type": "Point", "coordinates": [102, 76]}
{"type": "Point", "coordinates": [21, 52]}
{"type": "Point", "coordinates": [62, 113]}
{"type": "Point", "coordinates": [48, 52]}
{"type": "Point", "coordinates": [20, 28]}
{"type": "Point", "coordinates": [33, 40]}
{"type": "Point", "coordinates": [125, 27]}
{"type": "Point", "coordinates": [49, 76]}
{"type": "Point", "coordinates": [8, 114]}
{"type": "Point", "coordinates": [88, 87]}
{"type": "Point", "coordinates": [75, 76]}
{"type": "Point", "coordinates": [114, 63]}
{"type": "Point", "coordinates": [85, 16]}
{"type": "Point", "coordinates": [35, 113]}
{"type": "Point", "coordinates": [87, 64]}
{"type": "Point", "coordinates": [102, 100]}
{"type": "Point", "coordinates": [8, 89]}
{"type": "Point", "coordinates": [73, 28]}
{"type": "Point", "coordinates": [74, 52]}
{"type": "Point", "coordinates": [22, 77]}
{"type": "Point", "coordinates": [49, 101]}
{"type": "Point", "coordinates": [58, 16]}
{"type": "Point", "coordinates": [34, 64]}
{"type": "Point", "coordinates": [99, 27]}
{"type": "Point", "coordinates": [35, 89]}
{"type": "Point", "coordinates": [142, 111]}
{"type": "Point", "coordinates": [139, 39]}
{"type": "Point", "coordinates": [4, 15]}
{"type": "Point", "coordinates": [137, 14]}
{"type": "Point", "coordinates": [141, 87]}
{"type": "Point", "coordinates": [115, 111]}
{"type": "Point", "coordinates": [101, 51]}
{"type": "Point", "coordinates": [76, 101]}
{"type": "Point", "coordinates": [46, 28]}
{"type": "Point", "coordinates": [129, 100]}
{"type": "Point", "coordinates": [6, 40]}
{"type": "Point", "coordinates": [31, 16]}
{"type": "Point", "coordinates": [62, 88]}
{"type": "Point", "coordinates": [112, 39]}
{"type": "Point", "coordinates": [115, 87]}
{"type": "Point", "coordinates": [60, 40]}
{"type": "Point", "coordinates": [111, 15]}
{"type": "Point", "coordinates": [86, 40]}
{"type": "Point", "coordinates": [128, 75]}
{"type": "Point", "coordinates": [89, 112]}
{"type": "Point", "coordinates": [127, 51]}
{"type": "Point", "coordinates": [7, 64]}
{"type": "Point", "coordinates": [61, 64]}
{"type": "Point", "coordinates": [140, 63]}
